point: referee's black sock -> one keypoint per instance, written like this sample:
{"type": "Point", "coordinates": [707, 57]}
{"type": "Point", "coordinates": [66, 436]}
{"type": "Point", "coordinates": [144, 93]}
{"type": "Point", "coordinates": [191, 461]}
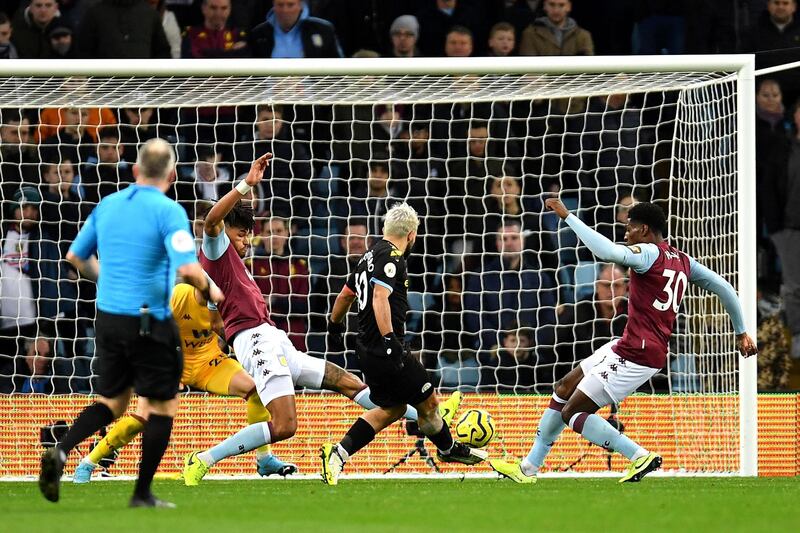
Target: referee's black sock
{"type": "Point", "coordinates": [359, 435]}
{"type": "Point", "coordinates": [154, 442]}
{"type": "Point", "coordinates": [91, 419]}
{"type": "Point", "coordinates": [442, 439]}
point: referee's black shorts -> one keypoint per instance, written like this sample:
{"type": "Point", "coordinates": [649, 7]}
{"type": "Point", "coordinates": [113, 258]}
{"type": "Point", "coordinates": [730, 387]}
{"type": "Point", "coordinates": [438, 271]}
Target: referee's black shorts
{"type": "Point", "coordinates": [151, 364]}
{"type": "Point", "coordinates": [389, 387]}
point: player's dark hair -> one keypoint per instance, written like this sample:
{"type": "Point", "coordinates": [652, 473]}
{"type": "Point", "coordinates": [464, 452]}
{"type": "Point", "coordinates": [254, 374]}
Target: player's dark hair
{"type": "Point", "coordinates": [650, 214]}
{"type": "Point", "coordinates": [4, 18]}
{"type": "Point", "coordinates": [241, 216]}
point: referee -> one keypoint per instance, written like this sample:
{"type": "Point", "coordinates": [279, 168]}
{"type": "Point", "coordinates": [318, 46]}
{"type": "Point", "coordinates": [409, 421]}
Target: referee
{"type": "Point", "coordinates": [143, 239]}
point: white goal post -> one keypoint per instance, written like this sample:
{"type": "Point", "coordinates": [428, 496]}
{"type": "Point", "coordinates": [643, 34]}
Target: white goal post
{"type": "Point", "coordinates": [728, 79]}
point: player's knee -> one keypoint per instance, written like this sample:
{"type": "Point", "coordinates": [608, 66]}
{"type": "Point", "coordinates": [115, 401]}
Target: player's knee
{"type": "Point", "coordinates": [562, 389]}
{"type": "Point", "coordinates": [566, 413]}
{"type": "Point", "coordinates": [283, 428]}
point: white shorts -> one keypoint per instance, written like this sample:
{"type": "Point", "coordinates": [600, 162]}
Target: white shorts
{"type": "Point", "coordinates": [609, 379]}
{"type": "Point", "coordinates": [276, 366]}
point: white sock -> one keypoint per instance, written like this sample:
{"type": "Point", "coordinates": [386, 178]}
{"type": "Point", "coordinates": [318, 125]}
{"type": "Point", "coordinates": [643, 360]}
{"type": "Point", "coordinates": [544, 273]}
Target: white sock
{"type": "Point", "coordinates": [527, 468]}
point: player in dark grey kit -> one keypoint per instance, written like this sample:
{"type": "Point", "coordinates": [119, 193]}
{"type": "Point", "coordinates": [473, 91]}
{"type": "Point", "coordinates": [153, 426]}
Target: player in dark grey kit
{"type": "Point", "coordinates": [380, 285]}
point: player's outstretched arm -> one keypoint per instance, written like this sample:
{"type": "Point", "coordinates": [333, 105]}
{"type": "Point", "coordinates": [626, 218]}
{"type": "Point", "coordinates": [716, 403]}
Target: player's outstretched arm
{"type": "Point", "coordinates": [214, 219]}
{"type": "Point", "coordinates": [709, 280]}
{"type": "Point", "coordinates": [600, 246]}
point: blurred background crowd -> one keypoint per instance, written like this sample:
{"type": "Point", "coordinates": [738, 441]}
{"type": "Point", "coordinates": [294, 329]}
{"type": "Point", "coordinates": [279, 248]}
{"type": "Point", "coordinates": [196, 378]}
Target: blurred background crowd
{"type": "Point", "coordinates": [502, 298]}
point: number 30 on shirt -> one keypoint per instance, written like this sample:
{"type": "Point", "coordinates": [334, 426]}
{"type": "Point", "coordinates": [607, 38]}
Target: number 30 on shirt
{"type": "Point", "coordinates": [675, 289]}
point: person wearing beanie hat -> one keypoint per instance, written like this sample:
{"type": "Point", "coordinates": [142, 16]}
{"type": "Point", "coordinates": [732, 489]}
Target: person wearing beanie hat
{"type": "Point", "coordinates": [61, 40]}
{"type": "Point", "coordinates": [404, 33]}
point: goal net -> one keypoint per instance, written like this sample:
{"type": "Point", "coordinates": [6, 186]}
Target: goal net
{"type": "Point", "coordinates": [504, 299]}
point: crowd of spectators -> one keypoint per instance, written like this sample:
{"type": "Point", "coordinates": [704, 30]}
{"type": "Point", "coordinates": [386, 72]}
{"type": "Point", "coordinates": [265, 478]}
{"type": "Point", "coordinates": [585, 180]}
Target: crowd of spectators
{"type": "Point", "coordinates": [501, 297]}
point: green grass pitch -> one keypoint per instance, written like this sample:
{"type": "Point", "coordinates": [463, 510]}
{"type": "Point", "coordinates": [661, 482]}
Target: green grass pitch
{"type": "Point", "coordinates": [565, 505]}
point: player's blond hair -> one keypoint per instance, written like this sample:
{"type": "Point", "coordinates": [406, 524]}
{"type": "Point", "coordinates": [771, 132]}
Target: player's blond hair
{"type": "Point", "coordinates": [400, 220]}
{"type": "Point", "coordinates": [156, 159]}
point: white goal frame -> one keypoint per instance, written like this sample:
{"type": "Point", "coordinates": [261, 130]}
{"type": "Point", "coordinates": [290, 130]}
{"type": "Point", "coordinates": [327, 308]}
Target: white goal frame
{"type": "Point", "coordinates": [741, 65]}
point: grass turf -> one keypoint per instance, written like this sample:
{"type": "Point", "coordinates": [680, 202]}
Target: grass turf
{"type": "Point", "coordinates": [656, 504]}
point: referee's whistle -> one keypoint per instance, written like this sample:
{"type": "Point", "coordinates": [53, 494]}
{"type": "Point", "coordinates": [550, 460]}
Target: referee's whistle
{"type": "Point", "coordinates": [144, 321]}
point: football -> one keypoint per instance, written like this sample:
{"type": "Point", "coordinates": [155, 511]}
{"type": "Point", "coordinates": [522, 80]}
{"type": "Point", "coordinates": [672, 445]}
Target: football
{"type": "Point", "coordinates": [476, 428]}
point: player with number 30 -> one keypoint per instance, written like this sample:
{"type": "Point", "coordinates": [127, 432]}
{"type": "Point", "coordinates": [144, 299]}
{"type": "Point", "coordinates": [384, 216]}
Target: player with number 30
{"type": "Point", "coordinates": [660, 275]}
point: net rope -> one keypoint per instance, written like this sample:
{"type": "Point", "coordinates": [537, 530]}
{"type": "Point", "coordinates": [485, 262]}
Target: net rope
{"type": "Point", "coordinates": [475, 155]}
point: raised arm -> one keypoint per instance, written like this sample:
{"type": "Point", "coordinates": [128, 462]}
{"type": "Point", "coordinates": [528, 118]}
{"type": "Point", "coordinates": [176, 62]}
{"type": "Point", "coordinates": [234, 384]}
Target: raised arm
{"type": "Point", "coordinates": [213, 225]}
{"type": "Point", "coordinates": [709, 280]}
{"type": "Point", "coordinates": [639, 258]}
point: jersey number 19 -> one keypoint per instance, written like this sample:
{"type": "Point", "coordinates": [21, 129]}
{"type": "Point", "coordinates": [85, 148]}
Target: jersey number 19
{"type": "Point", "coordinates": [675, 287]}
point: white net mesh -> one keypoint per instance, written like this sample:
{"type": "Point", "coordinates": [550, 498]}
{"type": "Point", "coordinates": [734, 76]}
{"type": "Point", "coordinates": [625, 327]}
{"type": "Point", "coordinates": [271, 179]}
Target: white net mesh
{"type": "Point", "coordinates": [503, 298]}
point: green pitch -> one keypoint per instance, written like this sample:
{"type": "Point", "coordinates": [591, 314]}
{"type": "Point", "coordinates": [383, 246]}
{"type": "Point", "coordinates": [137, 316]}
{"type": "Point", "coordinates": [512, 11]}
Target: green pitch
{"type": "Point", "coordinates": [564, 505]}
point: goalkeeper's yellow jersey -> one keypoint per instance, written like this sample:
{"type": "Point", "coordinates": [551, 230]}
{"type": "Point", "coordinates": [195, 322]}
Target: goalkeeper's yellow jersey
{"type": "Point", "coordinates": [198, 340]}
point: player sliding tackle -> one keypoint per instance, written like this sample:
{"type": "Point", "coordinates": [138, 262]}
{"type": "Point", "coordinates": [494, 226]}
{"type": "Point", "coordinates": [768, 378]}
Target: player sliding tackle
{"type": "Point", "coordinates": [205, 367]}
{"type": "Point", "coordinates": [380, 284]}
{"type": "Point", "coordinates": [659, 275]}
{"type": "Point", "coordinates": [265, 352]}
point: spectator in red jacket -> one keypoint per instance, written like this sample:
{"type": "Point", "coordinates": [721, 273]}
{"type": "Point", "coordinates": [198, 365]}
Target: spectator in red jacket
{"type": "Point", "coordinates": [214, 38]}
{"type": "Point", "coordinates": [283, 280]}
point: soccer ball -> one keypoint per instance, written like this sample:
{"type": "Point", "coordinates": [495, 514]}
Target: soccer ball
{"type": "Point", "coordinates": [476, 428]}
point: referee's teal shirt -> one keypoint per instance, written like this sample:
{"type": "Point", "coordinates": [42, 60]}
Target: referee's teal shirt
{"type": "Point", "coordinates": [141, 238]}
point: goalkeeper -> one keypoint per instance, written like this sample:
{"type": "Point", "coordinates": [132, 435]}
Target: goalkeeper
{"type": "Point", "coordinates": [205, 367]}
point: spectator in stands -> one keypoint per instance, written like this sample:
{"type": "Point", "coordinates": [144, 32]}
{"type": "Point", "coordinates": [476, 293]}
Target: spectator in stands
{"type": "Point", "coordinates": [404, 33]}
{"type": "Point", "coordinates": [660, 26]}
{"type": "Point", "coordinates": [458, 42]}
{"type": "Point", "coordinates": [777, 35]}
{"type": "Point", "coordinates": [61, 40]}
{"type": "Point", "coordinates": [505, 199]}
{"type": "Point", "coordinates": [107, 171]}
{"type": "Point", "coordinates": [511, 365]}
{"type": "Point", "coordinates": [52, 119]}
{"type": "Point", "coordinates": [467, 185]}
{"type": "Point", "coordinates": [591, 322]}
{"type": "Point", "coordinates": [283, 280]}
{"type": "Point", "coordinates": [361, 24]}
{"type": "Point", "coordinates": [210, 176]}
{"type": "Point", "coordinates": [557, 34]}
{"type": "Point", "coordinates": [71, 139]}
{"type": "Point", "coordinates": [373, 200]}
{"type": "Point", "coordinates": [61, 209]}
{"type": "Point", "coordinates": [38, 359]}
{"type": "Point", "coordinates": [509, 286]}
{"type": "Point", "coordinates": [36, 283]}
{"type": "Point", "coordinates": [169, 22]}
{"type": "Point", "coordinates": [214, 38]}
{"type": "Point", "coordinates": [7, 48]}
{"type": "Point", "coordinates": [772, 131]}
{"type": "Point", "coordinates": [124, 29]}
{"type": "Point", "coordinates": [201, 209]}
{"type": "Point", "coordinates": [439, 16]}
{"type": "Point", "coordinates": [611, 146]}
{"type": "Point", "coordinates": [18, 155]}
{"type": "Point", "coordinates": [779, 197]}
{"type": "Point", "coordinates": [520, 13]}
{"type": "Point", "coordinates": [290, 31]}
{"type": "Point", "coordinates": [327, 284]}
{"type": "Point", "coordinates": [502, 40]}
{"type": "Point", "coordinates": [286, 182]}
{"type": "Point", "coordinates": [136, 127]}
{"type": "Point", "coordinates": [31, 28]}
